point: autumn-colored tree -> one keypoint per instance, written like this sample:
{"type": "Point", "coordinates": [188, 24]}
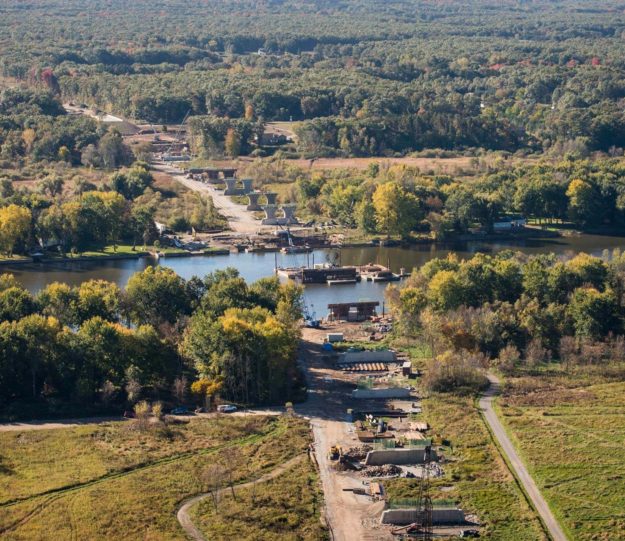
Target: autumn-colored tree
{"type": "Point", "coordinates": [206, 389]}
{"type": "Point", "coordinates": [396, 210]}
{"type": "Point", "coordinates": [233, 143]}
{"type": "Point", "coordinates": [29, 136]}
{"type": "Point", "coordinates": [15, 225]}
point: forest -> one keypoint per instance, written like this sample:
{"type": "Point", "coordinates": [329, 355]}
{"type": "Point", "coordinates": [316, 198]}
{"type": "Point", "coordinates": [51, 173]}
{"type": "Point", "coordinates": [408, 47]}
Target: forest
{"type": "Point", "coordinates": [96, 347]}
{"type": "Point", "coordinates": [360, 77]}
{"type": "Point", "coordinates": [514, 312]}
{"type": "Point", "coordinates": [403, 201]}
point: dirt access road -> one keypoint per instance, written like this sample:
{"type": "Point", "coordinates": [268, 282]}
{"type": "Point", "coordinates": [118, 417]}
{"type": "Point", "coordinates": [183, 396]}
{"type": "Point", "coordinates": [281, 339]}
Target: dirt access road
{"type": "Point", "coordinates": [183, 512]}
{"type": "Point", "coordinates": [351, 517]}
{"type": "Point", "coordinates": [240, 219]}
{"type": "Point", "coordinates": [520, 471]}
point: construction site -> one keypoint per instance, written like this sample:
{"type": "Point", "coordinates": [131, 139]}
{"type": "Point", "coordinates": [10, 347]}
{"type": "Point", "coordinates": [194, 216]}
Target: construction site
{"type": "Point", "coordinates": [365, 411]}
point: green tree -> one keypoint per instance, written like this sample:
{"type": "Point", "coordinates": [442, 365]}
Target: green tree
{"type": "Point", "coordinates": [594, 314]}
{"type": "Point", "coordinates": [156, 296]}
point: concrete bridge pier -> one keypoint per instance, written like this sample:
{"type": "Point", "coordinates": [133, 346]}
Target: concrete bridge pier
{"type": "Point", "coordinates": [270, 215]}
{"type": "Point", "coordinates": [272, 198]}
{"type": "Point", "coordinates": [289, 214]}
{"type": "Point", "coordinates": [253, 201]}
{"type": "Point", "coordinates": [247, 185]}
{"type": "Point", "coordinates": [231, 186]}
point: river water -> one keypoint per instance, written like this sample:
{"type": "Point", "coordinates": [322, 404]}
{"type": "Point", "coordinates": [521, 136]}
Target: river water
{"type": "Point", "coordinates": [256, 265]}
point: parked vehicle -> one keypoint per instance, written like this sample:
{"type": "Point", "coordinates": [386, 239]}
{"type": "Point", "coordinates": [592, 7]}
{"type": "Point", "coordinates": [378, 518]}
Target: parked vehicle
{"type": "Point", "coordinates": [469, 533]}
{"type": "Point", "coordinates": [180, 410]}
{"type": "Point", "coordinates": [226, 408]}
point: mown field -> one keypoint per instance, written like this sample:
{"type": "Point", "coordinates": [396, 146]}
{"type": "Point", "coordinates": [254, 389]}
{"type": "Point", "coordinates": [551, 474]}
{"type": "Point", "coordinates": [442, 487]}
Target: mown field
{"type": "Point", "coordinates": [570, 430]}
{"type": "Point", "coordinates": [112, 481]}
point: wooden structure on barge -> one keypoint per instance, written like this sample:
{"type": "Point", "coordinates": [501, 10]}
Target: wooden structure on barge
{"type": "Point", "coordinates": [321, 275]}
{"type": "Point", "coordinates": [353, 311]}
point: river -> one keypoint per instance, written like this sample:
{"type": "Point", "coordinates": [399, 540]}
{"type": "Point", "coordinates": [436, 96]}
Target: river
{"type": "Point", "coordinates": [254, 266]}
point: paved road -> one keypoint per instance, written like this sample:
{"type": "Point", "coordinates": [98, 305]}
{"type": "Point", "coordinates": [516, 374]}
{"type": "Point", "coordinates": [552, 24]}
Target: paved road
{"type": "Point", "coordinates": [539, 503]}
{"type": "Point", "coordinates": [183, 512]}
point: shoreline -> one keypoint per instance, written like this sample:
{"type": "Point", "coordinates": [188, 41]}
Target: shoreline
{"type": "Point", "coordinates": [112, 257]}
{"type": "Point", "coordinates": [227, 250]}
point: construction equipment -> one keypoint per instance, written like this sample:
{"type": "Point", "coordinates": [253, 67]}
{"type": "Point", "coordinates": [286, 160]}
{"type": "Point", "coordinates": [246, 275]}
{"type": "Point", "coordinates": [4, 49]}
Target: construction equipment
{"type": "Point", "coordinates": [176, 140]}
{"type": "Point", "coordinates": [422, 527]}
{"type": "Point", "coordinates": [335, 452]}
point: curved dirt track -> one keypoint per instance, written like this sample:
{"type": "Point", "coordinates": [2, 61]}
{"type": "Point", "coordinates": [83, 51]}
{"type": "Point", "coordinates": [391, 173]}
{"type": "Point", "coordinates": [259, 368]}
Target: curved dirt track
{"type": "Point", "coordinates": [520, 471]}
{"type": "Point", "coordinates": [183, 512]}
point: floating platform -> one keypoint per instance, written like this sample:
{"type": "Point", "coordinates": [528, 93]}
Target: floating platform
{"type": "Point", "coordinates": [320, 275]}
{"type": "Point", "coordinates": [341, 282]}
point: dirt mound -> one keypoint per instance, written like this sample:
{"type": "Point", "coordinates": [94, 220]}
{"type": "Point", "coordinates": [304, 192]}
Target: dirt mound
{"type": "Point", "coordinates": [386, 470]}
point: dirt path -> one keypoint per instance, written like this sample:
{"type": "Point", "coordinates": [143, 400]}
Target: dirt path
{"type": "Point", "coordinates": [183, 512]}
{"type": "Point", "coordinates": [53, 424]}
{"type": "Point", "coordinates": [520, 471]}
{"type": "Point", "coordinates": [240, 219]}
{"type": "Point", "coordinates": [24, 426]}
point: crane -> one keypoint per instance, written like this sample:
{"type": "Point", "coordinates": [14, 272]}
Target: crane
{"type": "Point", "coordinates": [177, 134]}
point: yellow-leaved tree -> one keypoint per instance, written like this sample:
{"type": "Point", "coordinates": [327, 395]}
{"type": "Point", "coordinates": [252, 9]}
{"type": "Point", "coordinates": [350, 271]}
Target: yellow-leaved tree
{"type": "Point", "coordinates": [15, 226]}
{"type": "Point", "coordinates": [397, 211]}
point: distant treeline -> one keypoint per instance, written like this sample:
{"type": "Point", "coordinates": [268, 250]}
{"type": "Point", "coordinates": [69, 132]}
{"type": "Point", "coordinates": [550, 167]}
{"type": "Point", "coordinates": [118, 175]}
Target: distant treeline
{"type": "Point", "coordinates": [390, 77]}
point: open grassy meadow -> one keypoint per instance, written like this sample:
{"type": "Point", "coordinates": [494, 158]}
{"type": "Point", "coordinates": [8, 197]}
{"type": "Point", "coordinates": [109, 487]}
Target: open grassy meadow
{"type": "Point", "coordinates": [112, 481]}
{"type": "Point", "coordinates": [281, 509]}
{"type": "Point", "coordinates": [570, 430]}
{"type": "Point", "coordinates": [475, 475]}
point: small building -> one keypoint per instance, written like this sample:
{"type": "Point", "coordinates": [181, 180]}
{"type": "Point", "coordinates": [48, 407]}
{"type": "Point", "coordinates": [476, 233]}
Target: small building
{"type": "Point", "coordinates": [353, 311]}
{"type": "Point", "coordinates": [509, 223]}
{"type": "Point", "coordinates": [333, 337]}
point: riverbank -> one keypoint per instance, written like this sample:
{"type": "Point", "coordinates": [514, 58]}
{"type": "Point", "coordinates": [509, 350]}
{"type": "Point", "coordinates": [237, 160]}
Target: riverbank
{"type": "Point", "coordinates": [111, 256]}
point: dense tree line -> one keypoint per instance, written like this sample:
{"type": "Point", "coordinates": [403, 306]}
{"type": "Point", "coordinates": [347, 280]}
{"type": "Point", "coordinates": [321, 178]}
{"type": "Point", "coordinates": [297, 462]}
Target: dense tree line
{"type": "Point", "coordinates": [509, 309]}
{"type": "Point", "coordinates": [99, 346]}
{"type": "Point", "coordinates": [34, 126]}
{"type": "Point", "coordinates": [368, 78]}
{"type": "Point", "coordinates": [398, 200]}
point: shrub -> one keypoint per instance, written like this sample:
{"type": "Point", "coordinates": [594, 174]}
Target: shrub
{"type": "Point", "coordinates": [456, 372]}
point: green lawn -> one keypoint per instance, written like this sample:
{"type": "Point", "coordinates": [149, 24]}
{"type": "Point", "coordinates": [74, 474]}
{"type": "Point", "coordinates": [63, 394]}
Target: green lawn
{"type": "Point", "coordinates": [114, 482]}
{"type": "Point", "coordinates": [571, 434]}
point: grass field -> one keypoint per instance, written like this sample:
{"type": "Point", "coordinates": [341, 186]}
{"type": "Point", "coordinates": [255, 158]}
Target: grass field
{"type": "Point", "coordinates": [114, 482]}
{"type": "Point", "coordinates": [282, 509]}
{"type": "Point", "coordinates": [571, 434]}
